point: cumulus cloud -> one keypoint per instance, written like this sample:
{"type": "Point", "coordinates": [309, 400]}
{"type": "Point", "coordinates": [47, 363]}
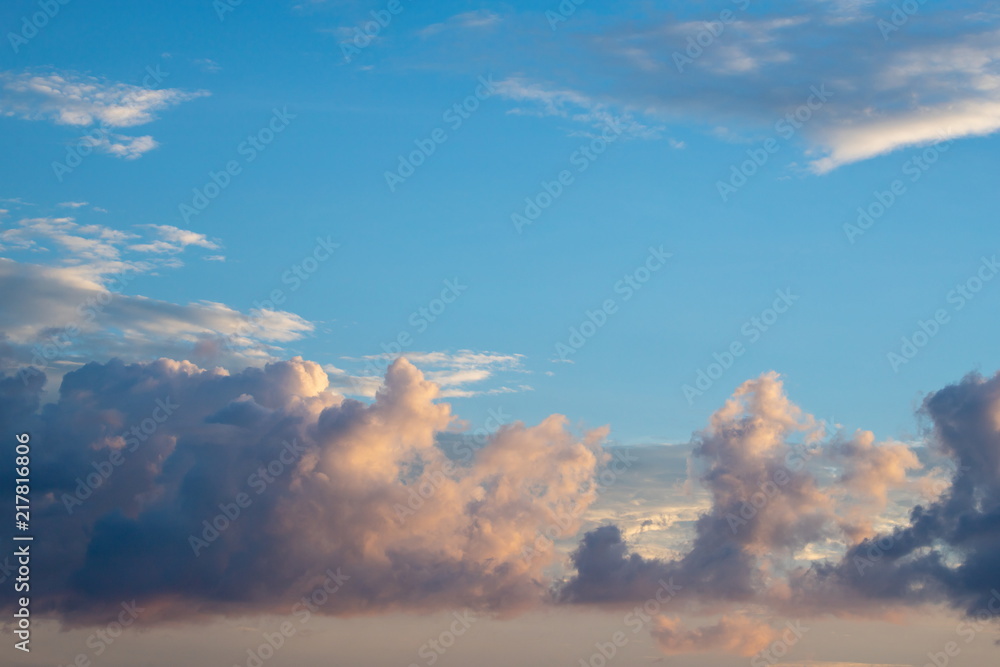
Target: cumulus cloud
{"type": "Point", "coordinates": [332, 484]}
{"type": "Point", "coordinates": [789, 529]}
{"type": "Point", "coordinates": [949, 550]}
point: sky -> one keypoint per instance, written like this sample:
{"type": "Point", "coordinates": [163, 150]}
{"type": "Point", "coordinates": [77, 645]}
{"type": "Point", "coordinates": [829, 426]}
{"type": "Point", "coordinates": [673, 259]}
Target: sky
{"type": "Point", "coordinates": [607, 270]}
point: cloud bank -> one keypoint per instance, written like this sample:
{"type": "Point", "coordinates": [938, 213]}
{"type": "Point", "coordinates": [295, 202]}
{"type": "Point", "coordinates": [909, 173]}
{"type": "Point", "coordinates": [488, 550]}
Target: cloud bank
{"type": "Point", "coordinates": [204, 492]}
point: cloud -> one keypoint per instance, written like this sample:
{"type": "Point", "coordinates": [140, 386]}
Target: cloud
{"type": "Point", "coordinates": [332, 484]}
{"type": "Point", "coordinates": [370, 490]}
{"type": "Point", "coordinates": [98, 249]}
{"type": "Point", "coordinates": [173, 240]}
{"type": "Point", "coordinates": [545, 100]}
{"type": "Point", "coordinates": [207, 65]}
{"type": "Point", "coordinates": [94, 244]}
{"type": "Point", "coordinates": [474, 20]}
{"type": "Point", "coordinates": [949, 550]}
{"type": "Point", "coordinates": [933, 78]}
{"type": "Point", "coordinates": [77, 308]}
{"type": "Point", "coordinates": [766, 507]}
{"type": "Point", "coordinates": [72, 99]}
{"type": "Point", "coordinates": [55, 315]}
{"type": "Point", "coordinates": [120, 145]}
{"type": "Point", "coordinates": [451, 371]}
{"type": "Point", "coordinates": [782, 489]}
{"type": "Point", "coordinates": [68, 98]}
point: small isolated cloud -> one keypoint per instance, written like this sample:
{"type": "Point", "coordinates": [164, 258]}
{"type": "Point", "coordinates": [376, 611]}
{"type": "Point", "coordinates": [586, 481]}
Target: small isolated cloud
{"type": "Point", "coordinates": [120, 145]}
{"type": "Point", "coordinates": [174, 240]}
{"type": "Point", "coordinates": [208, 65]}
{"type": "Point", "coordinates": [475, 20]}
{"type": "Point", "coordinates": [538, 99]}
{"type": "Point", "coordinates": [73, 204]}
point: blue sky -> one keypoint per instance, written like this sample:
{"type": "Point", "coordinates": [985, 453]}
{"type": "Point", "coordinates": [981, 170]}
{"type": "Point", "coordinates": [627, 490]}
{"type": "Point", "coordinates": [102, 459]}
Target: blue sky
{"type": "Point", "coordinates": [325, 176]}
{"type": "Point", "coordinates": [302, 121]}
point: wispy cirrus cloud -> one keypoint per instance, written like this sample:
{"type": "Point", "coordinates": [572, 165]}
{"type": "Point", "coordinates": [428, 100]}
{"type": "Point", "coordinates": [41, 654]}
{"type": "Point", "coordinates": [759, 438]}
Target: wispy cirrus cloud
{"type": "Point", "coordinates": [454, 372]}
{"type": "Point", "coordinates": [475, 20]}
{"type": "Point", "coordinates": [935, 77]}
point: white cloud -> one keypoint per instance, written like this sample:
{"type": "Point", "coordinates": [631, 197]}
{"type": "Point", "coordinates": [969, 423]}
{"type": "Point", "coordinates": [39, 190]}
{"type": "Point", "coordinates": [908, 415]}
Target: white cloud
{"type": "Point", "coordinates": [74, 99]}
{"type": "Point", "coordinates": [173, 240]}
{"type": "Point", "coordinates": [67, 98]}
{"type": "Point", "coordinates": [120, 145]}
